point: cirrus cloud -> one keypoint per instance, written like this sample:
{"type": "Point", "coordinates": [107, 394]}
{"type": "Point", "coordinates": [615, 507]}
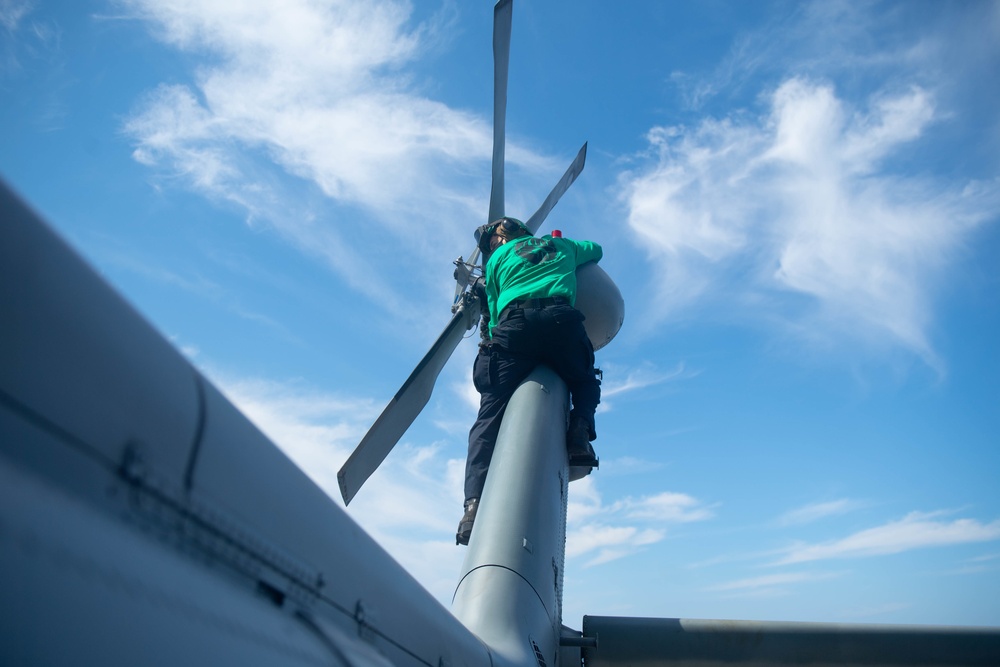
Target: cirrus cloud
{"type": "Point", "coordinates": [803, 214]}
{"type": "Point", "coordinates": [916, 530]}
{"type": "Point", "coordinates": [307, 117]}
{"type": "Point", "coordinates": [607, 532]}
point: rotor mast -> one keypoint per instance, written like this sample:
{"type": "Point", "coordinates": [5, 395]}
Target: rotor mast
{"type": "Point", "coordinates": [510, 593]}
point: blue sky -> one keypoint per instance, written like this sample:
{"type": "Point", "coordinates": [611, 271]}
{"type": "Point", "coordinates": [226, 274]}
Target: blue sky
{"type": "Point", "coordinates": [799, 202]}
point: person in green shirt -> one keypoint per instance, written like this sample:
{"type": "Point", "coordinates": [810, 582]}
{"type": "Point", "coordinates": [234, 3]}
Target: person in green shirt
{"type": "Point", "coordinates": [529, 284]}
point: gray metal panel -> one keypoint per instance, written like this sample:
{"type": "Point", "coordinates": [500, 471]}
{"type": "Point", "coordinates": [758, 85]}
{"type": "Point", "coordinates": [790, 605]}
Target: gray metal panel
{"type": "Point", "coordinates": [510, 594]}
{"type": "Point", "coordinates": [82, 588]}
{"type": "Point", "coordinates": [75, 354]}
{"type": "Point", "coordinates": [703, 643]}
{"type": "Point", "coordinates": [268, 499]}
{"type": "Point", "coordinates": [508, 617]}
{"type": "Point", "coordinates": [101, 535]}
{"type": "Point", "coordinates": [601, 302]}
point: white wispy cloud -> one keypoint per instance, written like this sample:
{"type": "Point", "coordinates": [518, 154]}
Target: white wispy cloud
{"type": "Point", "coordinates": [771, 584]}
{"type": "Point", "coordinates": [985, 559]}
{"type": "Point", "coordinates": [318, 430]}
{"type": "Point", "coordinates": [979, 564]}
{"type": "Point", "coordinates": [838, 38]}
{"type": "Point", "coordinates": [619, 381]}
{"type": "Point", "coordinates": [607, 532]}
{"type": "Point", "coordinates": [12, 11]}
{"type": "Point", "coordinates": [29, 38]}
{"type": "Point", "coordinates": [668, 507]}
{"type": "Point", "coordinates": [914, 531]}
{"type": "Point", "coordinates": [610, 542]}
{"type": "Point", "coordinates": [799, 201]}
{"type": "Point", "coordinates": [466, 393]}
{"type": "Point", "coordinates": [195, 283]}
{"type": "Point", "coordinates": [817, 511]}
{"type": "Point", "coordinates": [813, 213]}
{"type": "Point", "coordinates": [308, 117]}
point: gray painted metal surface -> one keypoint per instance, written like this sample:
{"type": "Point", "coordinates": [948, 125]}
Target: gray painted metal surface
{"type": "Point", "coordinates": [704, 643]}
{"type": "Point", "coordinates": [601, 302]}
{"type": "Point", "coordinates": [144, 520]}
{"type": "Point", "coordinates": [510, 594]}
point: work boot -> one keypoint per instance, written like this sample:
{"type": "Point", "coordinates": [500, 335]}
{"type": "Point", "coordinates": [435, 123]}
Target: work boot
{"type": "Point", "coordinates": [465, 525]}
{"type": "Point", "coordinates": [578, 437]}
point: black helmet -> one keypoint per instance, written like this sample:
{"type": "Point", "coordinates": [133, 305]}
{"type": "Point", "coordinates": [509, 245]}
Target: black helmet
{"type": "Point", "coordinates": [509, 227]}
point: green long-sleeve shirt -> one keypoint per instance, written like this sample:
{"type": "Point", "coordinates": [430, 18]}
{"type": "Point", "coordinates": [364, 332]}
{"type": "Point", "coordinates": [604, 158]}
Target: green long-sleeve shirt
{"type": "Point", "coordinates": [535, 267]}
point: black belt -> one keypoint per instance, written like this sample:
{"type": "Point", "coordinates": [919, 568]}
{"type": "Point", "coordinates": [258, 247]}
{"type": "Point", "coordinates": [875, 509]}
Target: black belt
{"type": "Point", "coordinates": [534, 304]}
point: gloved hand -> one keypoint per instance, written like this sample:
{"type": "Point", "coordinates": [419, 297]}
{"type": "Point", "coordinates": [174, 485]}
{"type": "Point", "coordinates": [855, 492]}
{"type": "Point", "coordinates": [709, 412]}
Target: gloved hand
{"type": "Point", "coordinates": [478, 288]}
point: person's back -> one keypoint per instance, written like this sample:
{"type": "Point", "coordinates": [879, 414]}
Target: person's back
{"type": "Point", "coordinates": [531, 267]}
{"type": "Point", "coordinates": [530, 288]}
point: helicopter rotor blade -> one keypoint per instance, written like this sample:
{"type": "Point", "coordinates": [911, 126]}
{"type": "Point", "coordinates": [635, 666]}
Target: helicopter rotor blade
{"type": "Point", "coordinates": [408, 402]}
{"type": "Point", "coordinates": [502, 15]}
{"type": "Point", "coordinates": [575, 167]}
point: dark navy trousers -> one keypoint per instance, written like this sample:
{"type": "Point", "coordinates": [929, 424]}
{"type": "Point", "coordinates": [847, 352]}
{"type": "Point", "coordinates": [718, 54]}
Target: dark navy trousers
{"type": "Point", "coordinates": [523, 339]}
